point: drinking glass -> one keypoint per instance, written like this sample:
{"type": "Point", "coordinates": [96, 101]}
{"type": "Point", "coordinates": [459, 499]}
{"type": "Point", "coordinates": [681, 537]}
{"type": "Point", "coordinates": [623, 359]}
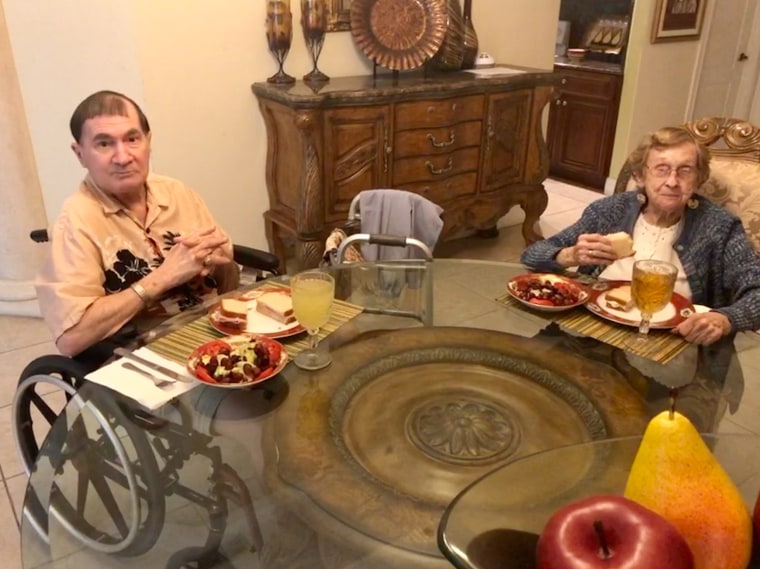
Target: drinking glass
{"type": "Point", "coordinates": [312, 293]}
{"type": "Point", "coordinates": [651, 289]}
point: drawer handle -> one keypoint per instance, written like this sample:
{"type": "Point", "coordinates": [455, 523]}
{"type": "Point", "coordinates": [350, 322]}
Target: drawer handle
{"type": "Point", "coordinates": [564, 81]}
{"type": "Point", "coordinates": [444, 144]}
{"type": "Point", "coordinates": [433, 170]}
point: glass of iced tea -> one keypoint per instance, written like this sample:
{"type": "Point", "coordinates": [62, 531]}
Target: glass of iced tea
{"type": "Point", "coordinates": [312, 293]}
{"type": "Point", "coordinates": [651, 289]}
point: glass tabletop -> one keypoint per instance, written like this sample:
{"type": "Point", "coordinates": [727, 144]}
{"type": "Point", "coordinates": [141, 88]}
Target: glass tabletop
{"type": "Point", "coordinates": [353, 465]}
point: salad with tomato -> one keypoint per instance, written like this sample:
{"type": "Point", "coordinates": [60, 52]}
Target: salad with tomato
{"type": "Point", "coordinates": [237, 360]}
{"type": "Point", "coordinates": [544, 292]}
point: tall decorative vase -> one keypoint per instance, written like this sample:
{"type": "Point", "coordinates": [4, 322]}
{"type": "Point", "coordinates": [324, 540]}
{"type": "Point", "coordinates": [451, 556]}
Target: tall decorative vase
{"type": "Point", "coordinates": [449, 56]}
{"type": "Point", "coordinates": [314, 24]}
{"type": "Point", "coordinates": [470, 38]}
{"type": "Point", "coordinates": [279, 36]}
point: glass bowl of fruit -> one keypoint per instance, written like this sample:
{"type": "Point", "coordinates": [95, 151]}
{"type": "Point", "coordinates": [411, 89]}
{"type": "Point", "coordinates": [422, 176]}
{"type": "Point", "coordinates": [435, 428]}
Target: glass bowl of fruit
{"type": "Point", "coordinates": [499, 519]}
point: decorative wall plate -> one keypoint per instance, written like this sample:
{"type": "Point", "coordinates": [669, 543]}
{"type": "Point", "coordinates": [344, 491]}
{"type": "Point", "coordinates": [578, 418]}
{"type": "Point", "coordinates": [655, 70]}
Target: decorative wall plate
{"type": "Point", "coordinates": [399, 34]}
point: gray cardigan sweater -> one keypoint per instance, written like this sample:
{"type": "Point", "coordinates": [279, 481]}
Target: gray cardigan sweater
{"type": "Point", "coordinates": [721, 265]}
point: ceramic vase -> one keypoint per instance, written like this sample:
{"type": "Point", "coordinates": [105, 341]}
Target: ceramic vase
{"type": "Point", "coordinates": [279, 26]}
{"type": "Point", "coordinates": [450, 54]}
{"type": "Point", "coordinates": [314, 24]}
{"type": "Point", "coordinates": [470, 42]}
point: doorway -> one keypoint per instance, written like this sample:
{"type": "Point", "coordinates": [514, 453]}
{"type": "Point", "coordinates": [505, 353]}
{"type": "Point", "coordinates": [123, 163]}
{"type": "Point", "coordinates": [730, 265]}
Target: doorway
{"type": "Point", "coordinates": [728, 82]}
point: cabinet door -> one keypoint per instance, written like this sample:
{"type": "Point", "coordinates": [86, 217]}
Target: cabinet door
{"type": "Point", "coordinates": [582, 127]}
{"type": "Point", "coordinates": [506, 139]}
{"type": "Point", "coordinates": [357, 155]}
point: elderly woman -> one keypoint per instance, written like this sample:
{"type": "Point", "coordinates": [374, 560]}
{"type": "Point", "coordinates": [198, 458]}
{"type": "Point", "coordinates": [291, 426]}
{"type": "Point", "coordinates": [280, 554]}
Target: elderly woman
{"type": "Point", "coordinates": [717, 265]}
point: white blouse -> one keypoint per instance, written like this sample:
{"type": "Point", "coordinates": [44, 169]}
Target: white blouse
{"type": "Point", "coordinates": [651, 242]}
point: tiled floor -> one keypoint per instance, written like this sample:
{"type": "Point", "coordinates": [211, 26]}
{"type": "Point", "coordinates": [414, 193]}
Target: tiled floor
{"type": "Point", "coordinates": [22, 339]}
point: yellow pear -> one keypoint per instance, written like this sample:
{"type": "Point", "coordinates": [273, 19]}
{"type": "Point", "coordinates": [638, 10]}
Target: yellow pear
{"type": "Point", "coordinates": [676, 475]}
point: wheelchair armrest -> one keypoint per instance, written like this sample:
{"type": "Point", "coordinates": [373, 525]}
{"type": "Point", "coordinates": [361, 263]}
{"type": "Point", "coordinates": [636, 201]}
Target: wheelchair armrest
{"type": "Point", "coordinates": [256, 259]}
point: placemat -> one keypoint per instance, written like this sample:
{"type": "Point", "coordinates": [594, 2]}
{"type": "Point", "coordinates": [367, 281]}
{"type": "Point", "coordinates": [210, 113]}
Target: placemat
{"type": "Point", "coordinates": [178, 345]}
{"type": "Point", "coordinates": [663, 348]}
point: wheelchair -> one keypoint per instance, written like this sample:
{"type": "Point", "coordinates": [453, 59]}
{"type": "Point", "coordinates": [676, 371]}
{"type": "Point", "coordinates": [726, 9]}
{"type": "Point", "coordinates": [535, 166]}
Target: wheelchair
{"type": "Point", "coordinates": [109, 448]}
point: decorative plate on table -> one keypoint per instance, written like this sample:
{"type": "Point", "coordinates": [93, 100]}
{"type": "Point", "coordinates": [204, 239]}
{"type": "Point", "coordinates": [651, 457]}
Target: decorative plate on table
{"type": "Point", "coordinates": [678, 309]}
{"type": "Point", "coordinates": [399, 34]}
{"type": "Point", "coordinates": [547, 292]}
{"type": "Point", "coordinates": [255, 323]}
{"type": "Point", "coordinates": [231, 354]}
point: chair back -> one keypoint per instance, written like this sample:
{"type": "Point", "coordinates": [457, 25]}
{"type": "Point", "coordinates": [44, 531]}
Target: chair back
{"type": "Point", "coordinates": [398, 213]}
{"type": "Point", "coordinates": [734, 181]}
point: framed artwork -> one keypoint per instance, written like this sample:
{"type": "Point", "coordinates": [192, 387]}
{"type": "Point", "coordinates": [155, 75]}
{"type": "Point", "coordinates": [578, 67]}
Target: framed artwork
{"type": "Point", "coordinates": [676, 20]}
{"type": "Point", "coordinates": [338, 15]}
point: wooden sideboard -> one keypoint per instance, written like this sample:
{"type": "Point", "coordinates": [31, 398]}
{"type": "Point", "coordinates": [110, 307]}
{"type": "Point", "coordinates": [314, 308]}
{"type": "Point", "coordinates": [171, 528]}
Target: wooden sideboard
{"type": "Point", "coordinates": [473, 145]}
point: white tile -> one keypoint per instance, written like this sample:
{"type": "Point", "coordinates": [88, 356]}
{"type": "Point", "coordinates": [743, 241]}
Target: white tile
{"type": "Point", "coordinates": [555, 187]}
{"type": "Point", "coordinates": [13, 362]}
{"type": "Point", "coordinates": [22, 332]}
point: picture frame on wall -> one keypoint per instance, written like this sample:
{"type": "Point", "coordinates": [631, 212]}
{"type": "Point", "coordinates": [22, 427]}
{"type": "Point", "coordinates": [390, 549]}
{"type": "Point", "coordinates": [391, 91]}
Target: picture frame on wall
{"type": "Point", "coordinates": [677, 20]}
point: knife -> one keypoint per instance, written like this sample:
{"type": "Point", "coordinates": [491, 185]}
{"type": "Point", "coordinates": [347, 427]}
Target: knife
{"type": "Point", "coordinates": [152, 365]}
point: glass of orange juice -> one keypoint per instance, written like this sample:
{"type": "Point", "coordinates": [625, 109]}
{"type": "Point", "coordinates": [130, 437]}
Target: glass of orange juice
{"type": "Point", "coordinates": [312, 293]}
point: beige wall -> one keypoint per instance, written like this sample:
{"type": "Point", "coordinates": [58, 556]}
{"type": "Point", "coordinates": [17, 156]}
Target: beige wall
{"type": "Point", "coordinates": [190, 63]}
{"type": "Point", "coordinates": [656, 87]}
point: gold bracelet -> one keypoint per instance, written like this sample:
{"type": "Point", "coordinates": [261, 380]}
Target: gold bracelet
{"type": "Point", "coordinates": [141, 293]}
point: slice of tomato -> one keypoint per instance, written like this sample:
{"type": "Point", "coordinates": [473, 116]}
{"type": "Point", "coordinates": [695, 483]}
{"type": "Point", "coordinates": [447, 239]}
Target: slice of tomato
{"type": "Point", "coordinates": [541, 301]}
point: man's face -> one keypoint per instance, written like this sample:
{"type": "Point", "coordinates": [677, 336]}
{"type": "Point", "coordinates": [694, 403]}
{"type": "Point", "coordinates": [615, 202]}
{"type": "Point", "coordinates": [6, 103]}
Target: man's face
{"type": "Point", "coordinates": [116, 152]}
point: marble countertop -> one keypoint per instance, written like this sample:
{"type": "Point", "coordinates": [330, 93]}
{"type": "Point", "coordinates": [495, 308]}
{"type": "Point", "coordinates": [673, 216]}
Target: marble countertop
{"type": "Point", "coordinates": [589, 65]}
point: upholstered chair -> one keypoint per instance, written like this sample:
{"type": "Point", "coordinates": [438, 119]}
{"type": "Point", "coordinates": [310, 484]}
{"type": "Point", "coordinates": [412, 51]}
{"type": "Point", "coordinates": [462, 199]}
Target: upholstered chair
{"type": "Point", "coordinates": [734, 170]}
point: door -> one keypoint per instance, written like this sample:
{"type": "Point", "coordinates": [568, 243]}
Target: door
{"type": "Point", "coordinates": [730, 62]}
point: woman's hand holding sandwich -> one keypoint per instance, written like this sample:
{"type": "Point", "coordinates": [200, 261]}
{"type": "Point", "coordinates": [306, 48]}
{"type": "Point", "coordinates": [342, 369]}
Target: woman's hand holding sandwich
{"type": "Point", "coordinates": [595, 249]}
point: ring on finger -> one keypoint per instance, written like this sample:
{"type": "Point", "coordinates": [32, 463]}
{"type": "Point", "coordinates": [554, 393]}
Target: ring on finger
{"type": "Point", "coordinates": [207, 261]}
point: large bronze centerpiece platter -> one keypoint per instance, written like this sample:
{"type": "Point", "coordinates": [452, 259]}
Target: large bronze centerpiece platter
{"type": "Point", "coordinates": [385, 438]}
{"type": "Point", "coordinates": [399, 34]}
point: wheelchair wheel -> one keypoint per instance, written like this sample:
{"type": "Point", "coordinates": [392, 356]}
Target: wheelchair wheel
{"type": "Point", "coordinates": [35, 408]}
{"type": "Point", "coordinates": [100, 482]}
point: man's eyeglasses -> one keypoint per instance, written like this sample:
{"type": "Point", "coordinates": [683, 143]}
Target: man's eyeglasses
{"type": "Point", "coordinates": [663, 171]}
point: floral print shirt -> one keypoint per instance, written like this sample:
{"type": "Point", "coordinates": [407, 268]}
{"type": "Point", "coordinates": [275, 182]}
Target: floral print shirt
{"type": "Point", "coordinates": [97, 247]}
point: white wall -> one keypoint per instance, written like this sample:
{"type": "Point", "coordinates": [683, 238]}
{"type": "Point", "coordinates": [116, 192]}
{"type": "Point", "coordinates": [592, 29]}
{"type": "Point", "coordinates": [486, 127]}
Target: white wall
{"type": "Point", "coordinates": [656, 86]}
{"type": "Point", "coordinates": [190, 63]}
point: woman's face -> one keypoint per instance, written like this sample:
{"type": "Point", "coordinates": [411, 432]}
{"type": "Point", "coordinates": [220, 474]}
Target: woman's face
{"type": "Point", "coordinates": [670, 178]}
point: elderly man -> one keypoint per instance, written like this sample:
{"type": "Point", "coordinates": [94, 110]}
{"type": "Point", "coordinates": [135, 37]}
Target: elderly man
{"type": "Point", "coordinates": [129, 247]}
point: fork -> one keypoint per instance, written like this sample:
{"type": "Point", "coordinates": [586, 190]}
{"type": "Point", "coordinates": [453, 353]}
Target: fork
{"type": "Point", "coordinates": [157, 381]}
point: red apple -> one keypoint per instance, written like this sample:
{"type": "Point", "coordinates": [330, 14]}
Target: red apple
{"type": "Point", "coordinates": [611, 532]}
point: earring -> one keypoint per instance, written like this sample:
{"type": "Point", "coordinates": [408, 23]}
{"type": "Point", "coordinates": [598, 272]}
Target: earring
{"type": "Point", "coordinates": [641, 197]}
{"type": "Point", "coordinates": [692, 203]}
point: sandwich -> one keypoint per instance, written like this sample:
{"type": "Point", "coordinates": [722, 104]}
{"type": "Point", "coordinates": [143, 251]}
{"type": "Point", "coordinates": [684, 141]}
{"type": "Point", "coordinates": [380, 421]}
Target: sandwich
{"type": "Point", "coordinates": [276, 305]}
{"type": "Point", "coordinates": [621, 243]}
{"type": "Point", "coordinates": [619, 298]}
{"type": "Point", "coordinates": [232, 313]}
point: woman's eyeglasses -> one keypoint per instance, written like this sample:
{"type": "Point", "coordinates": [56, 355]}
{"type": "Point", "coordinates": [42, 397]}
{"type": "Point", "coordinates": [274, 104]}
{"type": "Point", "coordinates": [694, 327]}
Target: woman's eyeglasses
{"type": "Point", "coordinates": [663, 171]}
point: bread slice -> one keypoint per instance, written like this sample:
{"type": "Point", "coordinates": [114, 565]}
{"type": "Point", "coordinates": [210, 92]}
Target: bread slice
{"type": "Point", "coordinates": [234, 308]}
{"type": "Point", "coordinates": [621, 243]}
{"type": "Point", "coordinates": [619, 298]}
{"type": "Point", "coordinates": [276, 305]}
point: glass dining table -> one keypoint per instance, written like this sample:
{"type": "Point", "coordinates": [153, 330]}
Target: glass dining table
{"type": "Point", "coordinates": [356, 464]}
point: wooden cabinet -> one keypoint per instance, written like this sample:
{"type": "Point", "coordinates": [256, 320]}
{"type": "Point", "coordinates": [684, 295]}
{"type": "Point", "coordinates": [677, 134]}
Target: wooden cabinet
{"type": "Point", "coordinates": [582, 123]}
{"type": "Point", "coordinates": [472, 145]}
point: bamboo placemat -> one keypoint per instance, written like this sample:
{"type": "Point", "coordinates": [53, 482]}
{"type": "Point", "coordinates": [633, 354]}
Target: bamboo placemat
{"type": "Point", "coordinates": [178, 345]}
{"type": "Point", "coordinates": [663, 348]}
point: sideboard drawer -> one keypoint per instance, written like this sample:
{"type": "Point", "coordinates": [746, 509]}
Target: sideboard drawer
{"type": "Point", "coordinates": [445, 190]}
{"type": "Point", "coordinates": [433, 168]}
{"type": "Point", "coordinates": [437, 140]}
{"type": "Point", "coordinates": [420, 114]}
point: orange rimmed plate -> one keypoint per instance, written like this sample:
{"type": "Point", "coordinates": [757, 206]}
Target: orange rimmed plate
{"type": "Point", "coordinates": [232, 343]}
{"type": "Point", "coordinates": [678, 309]}
{"type": "Point", "coordinates": [519, 283]}
{"type": "Point", "coordinates": [399, 34]}
{"type": "Point", "coordinates": [256, 323]}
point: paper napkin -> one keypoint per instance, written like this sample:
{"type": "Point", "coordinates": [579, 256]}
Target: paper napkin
{"type": "Point", "coordinates": [138, 387]}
